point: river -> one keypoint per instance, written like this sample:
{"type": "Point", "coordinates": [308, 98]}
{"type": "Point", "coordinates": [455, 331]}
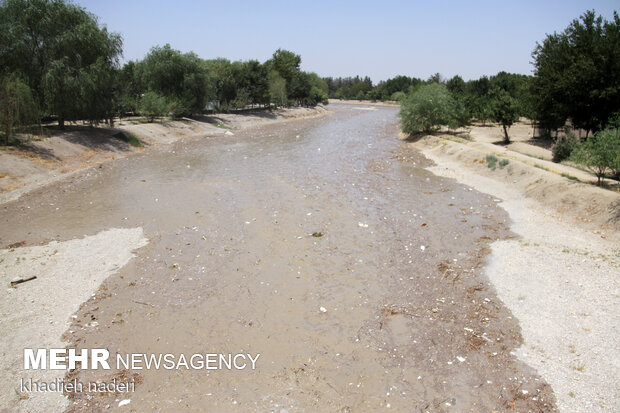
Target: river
{"type": "Point", "coordinates": [321, 244]}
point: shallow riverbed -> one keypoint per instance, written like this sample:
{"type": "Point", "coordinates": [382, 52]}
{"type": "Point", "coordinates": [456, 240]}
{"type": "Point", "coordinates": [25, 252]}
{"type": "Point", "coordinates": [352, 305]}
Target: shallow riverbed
{"type": "Point", "coordinates": [321, 244]}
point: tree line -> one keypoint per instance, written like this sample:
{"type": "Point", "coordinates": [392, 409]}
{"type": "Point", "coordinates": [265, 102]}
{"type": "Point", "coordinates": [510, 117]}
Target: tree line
{"type": "Point", "coordinates": [576, 82]}
{"type": "Point", "coordinates": [576, 85]}
{"type": "Point", "coordinates": [57, 61]}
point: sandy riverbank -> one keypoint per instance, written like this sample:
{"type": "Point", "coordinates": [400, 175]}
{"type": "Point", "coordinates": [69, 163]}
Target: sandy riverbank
{"type": "Point", "coordinates": [58, 154]}
{"type": "Point", "coordinates": [560, 276]}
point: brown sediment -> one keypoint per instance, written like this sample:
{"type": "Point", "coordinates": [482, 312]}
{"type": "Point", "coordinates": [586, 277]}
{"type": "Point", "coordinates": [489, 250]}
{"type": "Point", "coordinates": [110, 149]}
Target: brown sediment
{"type": "Point", "coordinates": [390, 307]}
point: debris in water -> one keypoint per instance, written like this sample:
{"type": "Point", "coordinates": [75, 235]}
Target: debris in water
{"type": "Point", "coordinates": [317, 234]}
{"type": "Point", "coordinates": [361, 224]}
{"type": "Point", "coordinates": [22, 280]}
{"type": "Point", "coordinates": [323, 309]}
{"type": "Point", "coordinates": [461, 359]}
{"type": "Point", "coordinates": [422, 247]}
{"type": "Point", "coordinates": [124, 402]}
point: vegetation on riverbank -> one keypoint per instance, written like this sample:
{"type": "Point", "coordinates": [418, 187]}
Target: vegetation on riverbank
{"type": "Point", "coordinates": [58, 63]}
{"type": "Point", "coordinates": [576, 86]}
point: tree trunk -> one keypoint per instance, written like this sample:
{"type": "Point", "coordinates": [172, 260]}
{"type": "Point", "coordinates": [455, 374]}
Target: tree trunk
{"type": "Point", "coordinates": [506, 137]}
{"type": "Point", "coordinates": [7, 134]}
{"type": "Point", "coordinates": [61, 122]}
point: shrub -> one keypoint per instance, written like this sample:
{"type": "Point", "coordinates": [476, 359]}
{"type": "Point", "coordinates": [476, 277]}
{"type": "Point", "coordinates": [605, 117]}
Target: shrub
{"type": "Point", "coordinates": [491, 161]}
{"type": "Point", "coordinates": [503, 163]}
{"type": "Point", "coordinates": [563, 147]}
{"type": "Point", "coordinates": [600, 153]}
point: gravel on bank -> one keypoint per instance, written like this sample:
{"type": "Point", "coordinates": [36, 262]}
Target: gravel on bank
{"type": "Point", "coordinates": [561, 281]}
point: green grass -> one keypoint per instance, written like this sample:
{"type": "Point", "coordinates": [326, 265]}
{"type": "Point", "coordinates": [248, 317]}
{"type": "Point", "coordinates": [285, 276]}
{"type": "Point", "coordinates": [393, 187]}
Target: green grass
{"type": "Point", "coordinates": [571, 177]}
{"type": "Point", "coordinates": [221, 125]}
{"type": "Point", "coordinates": [128, 137]}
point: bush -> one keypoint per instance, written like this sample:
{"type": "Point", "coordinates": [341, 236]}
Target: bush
{"type": "Point", "coordinates": [563, 147]}
{"type": "Point", "coordinates": [491, 161]}
{"type": "Point", "coordinates": [428, 108]}
{"type": "Point", "coordinates": [503, 163]}
{"type": "Point", "coordinates": [600, 153]}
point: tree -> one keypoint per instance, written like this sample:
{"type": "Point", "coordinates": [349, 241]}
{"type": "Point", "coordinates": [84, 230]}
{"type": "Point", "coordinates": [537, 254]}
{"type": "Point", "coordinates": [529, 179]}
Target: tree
{"type": "Point", "coordinates": [428, 108]}
{"type": "Point", "coordinates": [277, 89]}
{"type": "Point", "coordinates": [299, 88]}
{"type": "Point", "coordinates": [600, 153]}
{"type": "Point", "coordinates": [152, 105]}
{"type": "Point", "coordinates": [456, 85]}
{"type": "Point", "coordinates": [64, 55]}
{"type": "Point", "coordinates": [577, 74]}
{"type": "Point", "coordinates": [504, 110]}
{"type": "Point", "coordinates": [176, 76]}
{"type": "Point", "coordinates": [17, 106]}
{"type": "Point", "coordinates": [286, 63]}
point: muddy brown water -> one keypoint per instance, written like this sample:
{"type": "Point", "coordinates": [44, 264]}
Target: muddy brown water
{"type": "Point", "coordinates": [411, 323]}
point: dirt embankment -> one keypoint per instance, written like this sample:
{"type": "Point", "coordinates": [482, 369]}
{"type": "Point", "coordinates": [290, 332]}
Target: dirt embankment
{"type": "Point", "coordinates": [47, 158]}
{"type": "Point", "coordinates": [560, 276]}
{"type": "Point", "coordinates": [567, 193]}
{"type": "Point", "coordinates": [392, 103]}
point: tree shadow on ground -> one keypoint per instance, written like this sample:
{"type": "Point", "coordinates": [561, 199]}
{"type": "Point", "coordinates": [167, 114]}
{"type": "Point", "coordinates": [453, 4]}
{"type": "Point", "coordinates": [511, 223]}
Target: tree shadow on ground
{"type": "Point", "coordinates": [99, 139]}
{"type": "Point", "coordinates": [502, 143]}
{"type": "Point", "coordinates": [252, 112]}
{"type": "Point", "coordinates": [545, 143]}
{"type": "Point", "coordinates": [30, 148]}
{"type": "Point", "coordinates": [439, 133]}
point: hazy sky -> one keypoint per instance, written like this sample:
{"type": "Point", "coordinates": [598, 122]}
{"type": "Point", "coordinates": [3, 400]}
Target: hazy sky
{"type": "Point", "coordinates": [379, 39]}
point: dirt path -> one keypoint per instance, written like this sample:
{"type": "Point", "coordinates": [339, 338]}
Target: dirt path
{"type": "Point", "coordinates": [386, 306]}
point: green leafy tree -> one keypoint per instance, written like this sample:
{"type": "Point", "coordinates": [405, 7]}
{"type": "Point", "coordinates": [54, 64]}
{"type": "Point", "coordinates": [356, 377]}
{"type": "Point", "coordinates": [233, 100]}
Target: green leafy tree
{"type": "Point", "coordinates": [176, 76]}
{"type": "Point", "coordinates": [456, 85]}
{"type": "Point", "coordinates": [317, 96]}
{"type": "Point", "coordinates": [299, 88]}
{"type": "Point", "coordinates": [428, 108]}
{"type": "Point", "coordinates": [286, 63]}
{"type": "Point", "coordinates": [398, 96]}
{"type": "Point", "coordinates": [504, 110]}
{"type": "Point", "coordinates": [17, 105]}
{"type": "Point", "coordinates": [277, 89]}
{"type": "Point", "coordinates": [600, 153]}
{"type": "Point", "coordinates": [152, 105]}
{"type": "Point", "coordinates": [577, 74]}
{"type": "Point", "coordinates": [64, 55]}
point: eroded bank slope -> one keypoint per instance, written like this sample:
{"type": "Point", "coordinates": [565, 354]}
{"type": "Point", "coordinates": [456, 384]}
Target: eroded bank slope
{"type": "Point", "coordinates": [46, 159]}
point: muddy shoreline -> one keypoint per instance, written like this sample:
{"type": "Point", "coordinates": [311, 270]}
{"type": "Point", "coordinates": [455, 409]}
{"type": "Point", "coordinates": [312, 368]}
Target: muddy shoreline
{"type": "Point", "coordinates": [410, 317]}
